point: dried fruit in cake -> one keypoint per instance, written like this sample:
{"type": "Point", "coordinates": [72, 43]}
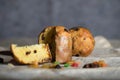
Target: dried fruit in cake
{"type": "Point", "coordinates": [95, 64]}
{"type": "Point", "coordinates": [75, 64]}
{"type": "Point", "coordinates": [82, 41]}
{"type": "Point", "coordinates": [67, 65]}
{"type": "Point", "coordinates": [1, 60]}
{"type": "Point", "coordinates": [33, 54]}
{"type": "Point", "coordinates": [60, 42]}
{"type": "Point", "coordinates": [51, 66]}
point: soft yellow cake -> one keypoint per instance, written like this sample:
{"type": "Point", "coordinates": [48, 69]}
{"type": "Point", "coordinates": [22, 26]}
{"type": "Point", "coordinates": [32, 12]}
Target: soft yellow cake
{"type": "Point", "coordinates": [32, 54]}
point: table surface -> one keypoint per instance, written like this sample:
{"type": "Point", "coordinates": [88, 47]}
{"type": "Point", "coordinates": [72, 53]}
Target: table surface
{"type": "Point", "coordinates": [110, 55]}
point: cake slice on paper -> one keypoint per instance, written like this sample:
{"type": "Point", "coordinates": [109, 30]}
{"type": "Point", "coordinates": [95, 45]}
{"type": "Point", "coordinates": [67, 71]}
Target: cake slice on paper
{"type": "Point", "coordinates": [32, 54]}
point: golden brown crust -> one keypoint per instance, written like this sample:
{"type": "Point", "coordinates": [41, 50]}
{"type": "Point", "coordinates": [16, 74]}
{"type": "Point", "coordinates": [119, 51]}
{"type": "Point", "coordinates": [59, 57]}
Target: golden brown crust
{"type": "Point", "coordinates": [46, 35]}
{"type": "Point", "coordinates": [82, 41]}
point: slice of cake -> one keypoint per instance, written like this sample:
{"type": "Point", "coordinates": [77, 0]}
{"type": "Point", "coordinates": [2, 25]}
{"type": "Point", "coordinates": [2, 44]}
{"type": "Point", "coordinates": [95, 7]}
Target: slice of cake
{"type": "Point", "coordinates": [60, 42]}
{"type": "Point", "coordinates": [33, 54]}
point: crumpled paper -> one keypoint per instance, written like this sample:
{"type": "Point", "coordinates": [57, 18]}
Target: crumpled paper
{"type": "Point", "coordinates": [102, 42]}
{"type": "Point", "coordinates": [103, 51]}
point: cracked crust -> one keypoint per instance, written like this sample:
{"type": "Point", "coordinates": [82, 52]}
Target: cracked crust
{"type": "Point", "coordinates": [82, 41]}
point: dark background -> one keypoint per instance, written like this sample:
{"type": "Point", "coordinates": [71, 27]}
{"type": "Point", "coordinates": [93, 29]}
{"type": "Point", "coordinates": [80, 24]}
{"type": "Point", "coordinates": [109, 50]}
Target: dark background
{"type": "Point", "coordinates": [27, 18]}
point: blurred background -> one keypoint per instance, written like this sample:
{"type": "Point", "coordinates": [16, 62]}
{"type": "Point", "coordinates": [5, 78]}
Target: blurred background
{"type": "Point", "coordinates": [27, 18]}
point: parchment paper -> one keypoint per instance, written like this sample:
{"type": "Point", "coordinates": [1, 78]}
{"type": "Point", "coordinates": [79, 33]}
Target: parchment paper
{"type": "Point", "coordinates": [107, 53]}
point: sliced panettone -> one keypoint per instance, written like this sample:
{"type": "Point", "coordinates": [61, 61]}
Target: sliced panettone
{"type": "Point", "coordinates": [82, 41]}
{"type": "Point", "coordinates": [33, 54]}
{"type": "Point", "coordinates": [60, 42]}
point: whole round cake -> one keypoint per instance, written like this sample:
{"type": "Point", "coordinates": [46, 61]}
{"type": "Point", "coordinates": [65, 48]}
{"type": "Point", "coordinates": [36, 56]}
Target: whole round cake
{"type": "Point", "coordinates": [82, 41]}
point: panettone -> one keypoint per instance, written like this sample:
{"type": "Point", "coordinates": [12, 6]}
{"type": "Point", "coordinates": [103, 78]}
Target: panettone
{"type": "Point", "coordinates": [60, 42]}
{"type": "Point", "coordinates": [32, 54]}
{"type": "Point", "coordinates": [82, 41]}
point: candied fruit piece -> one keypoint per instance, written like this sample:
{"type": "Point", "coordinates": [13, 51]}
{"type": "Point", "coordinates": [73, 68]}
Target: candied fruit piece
{"type": "Point", "coordinates": [75, 64]}
{"type": "Point", "coordinates": [58, 67]}
{"type": "Point", "coordinates": [95, 64]}
{"type": "Point", "coordinates": [67, 65]}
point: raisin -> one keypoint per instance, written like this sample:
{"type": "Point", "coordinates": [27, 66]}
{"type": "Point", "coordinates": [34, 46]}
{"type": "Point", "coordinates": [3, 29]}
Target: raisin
{"type": "Point", "coordinates": [91, 65]}
{"type": "Point", "coordinates": [86, 66]}
{"type": "Point", "coordinates": [77, 55]}
{"type": "Point", "coordinates": [35, 51]}
{"type": "Point", "coordinates": [95, 65]}
{"type": "Point", "coordinates": [52, 37]}
{"type": "Point", "coordinates": [76, 29]}
{"type": "Point", "coordinates": [58, 67]}
{"type": "Point", "coordinates": [66, 30]}
{"type": "Point", "coordinates": [43, 37]}
{"type": "Point", "coordinates": [1, 60]}
{"type": "Point", "coordinates": [28, 52]}
{"type": "Point", "coordinates": [84, 38]}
